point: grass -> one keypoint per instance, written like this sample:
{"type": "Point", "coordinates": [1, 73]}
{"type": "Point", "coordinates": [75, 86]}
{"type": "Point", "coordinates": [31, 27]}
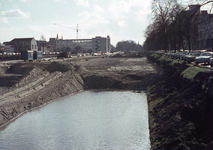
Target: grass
{"type": "Point", "coordinates": [192, 71]}
{"type": "Point", "coordinates": [163, 58]}
{"type": "Point", "coordinates": [154, 103]}
{"type": "Point", "coordinates": [174, 61]}
{"type": "Point", "coordinates": [156, 56]}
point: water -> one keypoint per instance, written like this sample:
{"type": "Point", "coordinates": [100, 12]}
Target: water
{"type": "Point", "coordinates": [85, 121]}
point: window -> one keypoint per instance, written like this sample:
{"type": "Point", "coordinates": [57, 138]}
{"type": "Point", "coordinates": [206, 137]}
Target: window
{"type": "Point", "coordinates": [35, 46]}
{"type": "Point", "coordinates": [32, 46]}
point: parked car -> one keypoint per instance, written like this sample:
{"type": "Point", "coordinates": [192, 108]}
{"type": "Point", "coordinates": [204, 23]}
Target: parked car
{"type": "Point", "coordinates": [169, 54]}
{"type": "Point", "coordinates": [79, 55]}
{"type": "Point", "coordinates": [191, 56]}
{"type": "Point", "coordinates": [64, 55]}
{"type": "Point", "coordinates": [177, 55]}
{"type": "Point", "coordinates": [183, 55]}
{"type": "Point", "coordinates": [204, 58]}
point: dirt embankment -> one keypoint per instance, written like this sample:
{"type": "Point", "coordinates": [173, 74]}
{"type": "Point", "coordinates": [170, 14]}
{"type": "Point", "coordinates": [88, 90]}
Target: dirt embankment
{"type": "Point", "coordinates": [33, 84]}
{"type": "Point", "coordinates": [180, 107]}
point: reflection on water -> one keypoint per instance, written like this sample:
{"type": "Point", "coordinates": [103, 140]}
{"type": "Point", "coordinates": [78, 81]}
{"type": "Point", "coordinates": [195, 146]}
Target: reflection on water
{"type": "Point", "coordinates": [87, 121]}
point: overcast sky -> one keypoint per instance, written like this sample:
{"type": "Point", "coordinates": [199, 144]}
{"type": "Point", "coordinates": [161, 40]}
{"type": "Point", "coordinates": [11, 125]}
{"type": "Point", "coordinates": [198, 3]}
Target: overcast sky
{"type": "Point", "coordinates": [120, 19]}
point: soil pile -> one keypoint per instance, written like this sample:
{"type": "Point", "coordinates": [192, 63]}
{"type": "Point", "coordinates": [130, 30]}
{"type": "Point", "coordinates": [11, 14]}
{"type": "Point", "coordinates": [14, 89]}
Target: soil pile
{"type": "Point", "coordinates": [80, 69]}
{"type": "Point", "coordinates": [59, 66]}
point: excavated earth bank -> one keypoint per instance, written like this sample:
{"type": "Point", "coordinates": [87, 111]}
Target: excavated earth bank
{"type": "Point", "coordinates": [33, 84]}
{"type": "Point", "coordinates": [180, 106]}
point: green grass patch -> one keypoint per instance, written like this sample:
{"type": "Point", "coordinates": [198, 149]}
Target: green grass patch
{"type": "Point", "coordinates": [154, 103]}
{"type": "Point", "coordinates": [174, 61]}
{"type": "Point", "coordinates": [191, 72]}
{"type": "Point", "coordinates": [156, 56]}
{"type": "Point", "coordinates": [163, 58]}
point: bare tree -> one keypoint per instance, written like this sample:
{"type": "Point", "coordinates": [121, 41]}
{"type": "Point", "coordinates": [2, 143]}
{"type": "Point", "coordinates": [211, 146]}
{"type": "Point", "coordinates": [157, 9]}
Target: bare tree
{"type": "Point", "coordinates": [43, 42]}
{"type": "Point", "coordinates": [176, 27]}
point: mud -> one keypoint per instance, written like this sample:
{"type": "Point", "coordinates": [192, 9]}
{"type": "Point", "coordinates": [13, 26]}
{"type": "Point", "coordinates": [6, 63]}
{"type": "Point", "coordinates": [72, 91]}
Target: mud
{"type": "Point", "coordinates": [33, 84]}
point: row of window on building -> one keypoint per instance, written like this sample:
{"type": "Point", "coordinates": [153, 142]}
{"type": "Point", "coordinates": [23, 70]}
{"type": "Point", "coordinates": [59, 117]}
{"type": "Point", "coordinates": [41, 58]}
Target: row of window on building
{"type": "Point", "coordinates": [55, 44]}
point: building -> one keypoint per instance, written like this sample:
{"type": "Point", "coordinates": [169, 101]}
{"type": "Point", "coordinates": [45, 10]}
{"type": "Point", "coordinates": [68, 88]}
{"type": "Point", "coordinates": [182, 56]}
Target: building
{"type": "Point", "coordinates": [201, 29]}
{"type": "Point", "coordinates": [62, 45]}
{"type": "Point", "coordinates": [101, 44]}
{"type": "Point", "coordinates": [52, 44]}
{"type": "Point", "coordinates": [8, 48]}
{"type": "Point", "coordinates": [22, 44]}
{"type": "Point", "coordinates": [42, 46]}
{"type": "Point", "coordinates": [97, 44]}
{"type": "Point", "coordinates": [1, 48]}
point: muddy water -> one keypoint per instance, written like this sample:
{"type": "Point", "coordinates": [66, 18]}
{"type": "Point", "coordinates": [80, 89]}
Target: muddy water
{"type": "Point", "coordinates": [88, 121]}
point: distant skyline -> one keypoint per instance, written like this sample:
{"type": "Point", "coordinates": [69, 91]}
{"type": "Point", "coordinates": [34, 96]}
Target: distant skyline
{"type": "Point", "coordinates": [120, 19]}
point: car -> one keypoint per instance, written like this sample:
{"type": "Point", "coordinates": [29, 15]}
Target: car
{"type": "Point", "coordinates": [169, 54]}
{"type": "Point", "coordinates": [64, 55]}
{"type": "Point", "coordinates": [183, 55]}
{"type": "Point", "coordinates": [204, 58]}
{"type": "Point", "coordinates": [79, 55]}
{"type": "Point", "coordinates": [191, 56]}
{"type": "Point", "coordinates": [177, 55]}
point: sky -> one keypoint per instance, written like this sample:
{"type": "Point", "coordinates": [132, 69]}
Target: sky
{"type": "Point", "coordinates": [120, 19]}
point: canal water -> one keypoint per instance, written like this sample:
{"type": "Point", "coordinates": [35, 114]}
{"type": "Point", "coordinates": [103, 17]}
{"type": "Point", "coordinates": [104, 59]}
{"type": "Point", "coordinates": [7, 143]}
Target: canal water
{"type": "Point", "coordinates": [89, 120]}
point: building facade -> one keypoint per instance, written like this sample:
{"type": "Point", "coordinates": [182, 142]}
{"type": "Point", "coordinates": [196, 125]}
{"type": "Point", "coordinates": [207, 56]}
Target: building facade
{"type": "Point", "coordinates": [23, 44]}
{"type": "Point", "coordinates": [101, 44]}
{"type": "Point", "coordinates": [97, 44]}
{"type": "Point", "coordinates": [61, 44]}
{"type": "Point", "coordinates": [201, 36]}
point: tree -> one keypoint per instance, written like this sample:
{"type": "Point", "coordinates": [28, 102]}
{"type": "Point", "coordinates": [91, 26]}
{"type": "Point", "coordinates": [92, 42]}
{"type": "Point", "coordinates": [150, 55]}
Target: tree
{"type": "Point", "coordinates": [43, 42]}
{"type": "Point", "coordinates": [78, 49]}
{"type": "Point", "coordinates": [174, 27]}
{"type": "Point", "coordinates": [127, 46]}
{"type": "Point", "coordinates": [68, 49]}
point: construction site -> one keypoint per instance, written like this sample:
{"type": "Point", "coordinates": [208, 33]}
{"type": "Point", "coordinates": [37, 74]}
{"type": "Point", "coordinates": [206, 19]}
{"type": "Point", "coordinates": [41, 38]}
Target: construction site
{"type": "Point", "coordinates": [28, 85]}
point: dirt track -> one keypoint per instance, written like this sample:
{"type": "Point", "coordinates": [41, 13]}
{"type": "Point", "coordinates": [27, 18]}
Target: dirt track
{"type": "Point", "coordinates": [33, 84]}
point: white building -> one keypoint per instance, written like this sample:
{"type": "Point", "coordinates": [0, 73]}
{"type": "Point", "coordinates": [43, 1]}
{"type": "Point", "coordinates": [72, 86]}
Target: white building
{"type": "Point", "coordinates": [97, 44]}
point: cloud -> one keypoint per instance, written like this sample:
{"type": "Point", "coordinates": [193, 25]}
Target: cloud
{"type": "Point", "coordinates": [98, 8]}
{"type": "Point", "coordinates": [4, 20]}
{"type": "Point", "coordinates": [92, 18]}
{"type": "Point", "coordinates": [62, 1]}
{"type": "Point", "coordinates": [16, 13]}
{"type": "Point", "coordinates": [123, 10]}
{"type": "Point", "coordinates": [84, 3]}
{"type": "Point", "coordinates": [119, 9]}
{"type": "Point", "coordinates": [122, 23]}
